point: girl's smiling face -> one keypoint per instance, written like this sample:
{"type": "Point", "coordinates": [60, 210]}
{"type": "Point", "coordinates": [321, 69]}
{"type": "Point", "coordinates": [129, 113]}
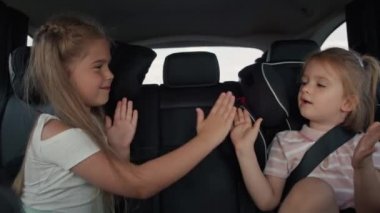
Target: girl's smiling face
{"type": "Point", "coordinates": [90, 74]}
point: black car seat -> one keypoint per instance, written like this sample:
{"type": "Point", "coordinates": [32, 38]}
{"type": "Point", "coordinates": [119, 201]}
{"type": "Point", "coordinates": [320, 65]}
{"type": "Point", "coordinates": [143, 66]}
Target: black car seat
{"type": "Point", "coordinates": [192, 80]}
{"type": "Point", "coordinates": [18, 118]}
{"type": "Point", "coordinates": [9, 202]}
{"type": "Point", "coordinates": [215, 185]}
{"type": "Point", "coordinates": [271, 87]}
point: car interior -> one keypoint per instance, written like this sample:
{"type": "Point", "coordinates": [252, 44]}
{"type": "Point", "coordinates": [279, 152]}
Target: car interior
{"type": "Point", "coordinates": [286, 31]}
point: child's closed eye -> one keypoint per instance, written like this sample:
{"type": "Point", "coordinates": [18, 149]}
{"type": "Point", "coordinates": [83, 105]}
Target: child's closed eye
{"type": "Point", "coordinates": [98, 66]}
{"type": "Point", "coordinates": [303, 81]}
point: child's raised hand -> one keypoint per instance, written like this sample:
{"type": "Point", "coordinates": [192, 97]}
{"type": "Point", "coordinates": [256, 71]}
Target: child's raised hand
{"type": "Point", "coordinates": [121, 130]}
{"type": "Point", "coordinates": [219, 121]}
{"type": "Point", "coordinates": [366, 146]}
{"type": "Point", "coordinates": [243, 134]}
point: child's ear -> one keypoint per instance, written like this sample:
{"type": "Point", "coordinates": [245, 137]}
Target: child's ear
{"type": "Point", "coordinates": [349, 103]}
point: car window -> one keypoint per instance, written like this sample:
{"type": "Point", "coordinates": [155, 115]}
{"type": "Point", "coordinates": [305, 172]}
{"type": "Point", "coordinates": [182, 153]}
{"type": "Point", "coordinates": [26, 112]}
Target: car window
{"type": "Point", "coordinates": [29, 41]}
{"type": "Point", "coordinates": [231, 61]}
{"type": "Point", "coordinates": [338, 38]}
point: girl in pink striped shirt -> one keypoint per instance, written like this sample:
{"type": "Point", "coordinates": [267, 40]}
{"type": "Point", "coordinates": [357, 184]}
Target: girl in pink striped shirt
{"type": "Point", "coordinates": [338, 87]}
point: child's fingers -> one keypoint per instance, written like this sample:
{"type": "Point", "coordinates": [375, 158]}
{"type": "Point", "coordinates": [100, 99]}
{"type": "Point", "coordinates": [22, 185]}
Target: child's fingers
{"type": "Point", "coordinates": [108, 122]}
{"type": "Point", "coordinates": [231, 115]}
{"type": "Point", "coordinates": [240, 117]}
{"type": "Point", "coordinates": [247, 116]}
{"type": "Point", "coordinates": [129, 110]}
{"type": "Point", "coordinates": [257, 124]}
{"type": "Point", "coordinates": [117, 115]}
{"type": "Point", "coordinates": [226, 105]}
{"type": "Point", "coordinates": [371, 137]}
{"type": "Point", "coordinates": [123, 109]}
{"type": "Point", "coordinates": [200, 116]}
{"type": "Point", "coordinates": [237, 118]}
{"type": "Point", "coordinates": [373, 132]}
{"type": "Point", "coordinates": [134, 117]}
{"type": "Point", "coordinates": [218, 103]}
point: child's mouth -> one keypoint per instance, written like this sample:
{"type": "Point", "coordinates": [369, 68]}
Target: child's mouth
{"type": "Point", "coordinates": [304, 101]}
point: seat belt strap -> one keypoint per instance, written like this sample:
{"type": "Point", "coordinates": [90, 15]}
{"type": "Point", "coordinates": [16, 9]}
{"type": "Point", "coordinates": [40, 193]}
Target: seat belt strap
{"type": "Point", "coordinates": [322, 148]}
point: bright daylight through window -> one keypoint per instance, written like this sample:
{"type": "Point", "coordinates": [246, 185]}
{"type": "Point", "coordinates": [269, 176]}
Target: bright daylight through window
{"type": "Point", "coordinates": [338, 38]}
{"type": "Point", "coordinates": [231, 61]}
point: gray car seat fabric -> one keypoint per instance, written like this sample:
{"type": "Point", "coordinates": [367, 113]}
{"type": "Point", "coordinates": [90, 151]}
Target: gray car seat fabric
{"type": "Point", "coordinates": [9, 202]}
{"type": "Point", "coordinates": [19, 117]}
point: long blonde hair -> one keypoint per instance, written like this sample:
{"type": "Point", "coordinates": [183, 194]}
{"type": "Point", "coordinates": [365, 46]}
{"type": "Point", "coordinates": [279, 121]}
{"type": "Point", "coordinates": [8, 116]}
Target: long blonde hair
{"type": "Point", "coordinates": [360, 76]}
{"type": "Point", "coordinates": [56, 44]}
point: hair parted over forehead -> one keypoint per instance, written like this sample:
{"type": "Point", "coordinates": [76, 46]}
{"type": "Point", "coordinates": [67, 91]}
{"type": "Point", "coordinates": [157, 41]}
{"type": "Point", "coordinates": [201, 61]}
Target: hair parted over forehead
{"type": "Point", "coordinates": [359, 76]}
{"type": "Point", "coordinates": [57, 43]}
{"type": "Point", "coordinates": [70, 34]}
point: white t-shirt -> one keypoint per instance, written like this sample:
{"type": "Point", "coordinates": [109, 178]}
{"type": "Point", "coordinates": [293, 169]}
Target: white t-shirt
{"type": "Point", "coordinates": [50, 185]}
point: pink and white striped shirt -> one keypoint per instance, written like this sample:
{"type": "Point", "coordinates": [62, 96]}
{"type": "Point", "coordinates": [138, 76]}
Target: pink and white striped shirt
{"type": "Point", "coordinates": [288, 148]}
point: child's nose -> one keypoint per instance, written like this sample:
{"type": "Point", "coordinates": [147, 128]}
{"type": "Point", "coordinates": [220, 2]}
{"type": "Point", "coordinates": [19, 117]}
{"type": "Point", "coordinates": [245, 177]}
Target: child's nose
{"type": "Point", "coordinates": [108, 74]}
{"type": "Point", "coordinates": [305, 88]}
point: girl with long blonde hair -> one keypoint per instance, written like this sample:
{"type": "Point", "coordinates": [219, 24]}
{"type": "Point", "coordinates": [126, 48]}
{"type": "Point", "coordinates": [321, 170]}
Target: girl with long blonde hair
{"type": "Point", "coordinates": [73, 156]}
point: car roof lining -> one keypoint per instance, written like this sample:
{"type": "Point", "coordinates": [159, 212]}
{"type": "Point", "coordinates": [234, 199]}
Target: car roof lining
{"type": "Point", "coordinates": [171, 23]}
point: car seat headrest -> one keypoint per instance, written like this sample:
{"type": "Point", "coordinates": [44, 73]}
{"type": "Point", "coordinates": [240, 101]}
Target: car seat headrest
{"type": "Point", "coordinates": [18, 67]}
{"type": "Point", "coordinates": [18, 64]}
{"type": "Point", "coordinates": [191, 69]}
{"type": "Point", "coordinates": [129, 64]}
{"type": "Point", "coordinates": [291, 50]}
{"type": "Point", "coordinates": [276, 89]}
{"type": "Point", "coordinates": [271, 87]}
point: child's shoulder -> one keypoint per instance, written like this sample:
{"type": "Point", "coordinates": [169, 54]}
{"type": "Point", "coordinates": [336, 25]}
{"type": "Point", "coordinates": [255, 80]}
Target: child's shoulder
{"type": "Point", "coordinates": [289, 134]}
{"type": "Point", "coordinates": [289, 137]}
{"type": "Point", "coordinates": [52, 127]}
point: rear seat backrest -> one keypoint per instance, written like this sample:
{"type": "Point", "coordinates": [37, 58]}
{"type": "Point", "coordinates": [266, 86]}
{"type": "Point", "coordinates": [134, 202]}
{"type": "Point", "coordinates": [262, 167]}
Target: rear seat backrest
{"type": "Point", "coordinates": [167, 120]}
{"type": "Point", "coordinates": [129, 65]}
{"type": "Point", "coordinates": [192, 80]}
{"type": "Point", "coordinates": [272, 86]}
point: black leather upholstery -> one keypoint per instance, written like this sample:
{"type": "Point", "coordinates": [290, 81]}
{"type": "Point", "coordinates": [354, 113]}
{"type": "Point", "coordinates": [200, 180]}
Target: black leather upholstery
{"type": "Point", "coordinates": [129, 65]}
{"type": "Point", "coordinates": [271, 87]}
{"type": "Point", "coordinates": [9, 202]}
{"type": "Point", "coordinates": [290, 50]}
{"type": "Point", "coordinates": [215, 184]}
{"type": "Point", "coordinates": [18, 63]}
{"type": "Point", "coordinates": [191, 69]}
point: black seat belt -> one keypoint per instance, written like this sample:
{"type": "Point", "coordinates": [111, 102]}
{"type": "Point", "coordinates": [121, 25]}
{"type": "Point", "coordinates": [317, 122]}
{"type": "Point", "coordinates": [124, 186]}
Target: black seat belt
{"type": "Point", "coordinates": [322, 148]}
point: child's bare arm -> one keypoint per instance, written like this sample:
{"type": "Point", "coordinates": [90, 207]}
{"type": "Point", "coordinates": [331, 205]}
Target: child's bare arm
{"type": "Point", "coordinates": [144, 180]}
{"type": "Point", "coordinates": [366, 177]}
{"type": "Point", "coordinates": [265, 191]}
